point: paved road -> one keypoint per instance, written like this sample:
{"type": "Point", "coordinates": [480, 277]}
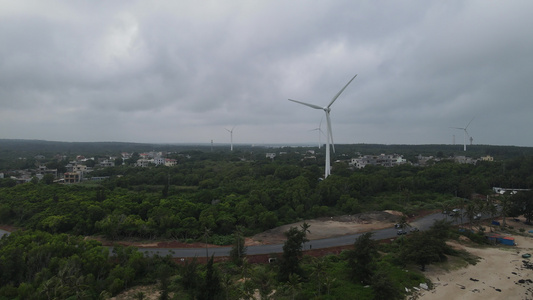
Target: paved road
{"type": "Point", "coordinates": [387, 233]}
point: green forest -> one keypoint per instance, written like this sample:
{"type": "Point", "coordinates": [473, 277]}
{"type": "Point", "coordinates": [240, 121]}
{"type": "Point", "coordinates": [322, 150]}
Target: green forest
{"type": "Point", "coordinates": [231, 195]}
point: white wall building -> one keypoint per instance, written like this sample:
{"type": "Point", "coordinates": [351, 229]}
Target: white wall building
{"type": "Point", "coordinates": [385, 160]}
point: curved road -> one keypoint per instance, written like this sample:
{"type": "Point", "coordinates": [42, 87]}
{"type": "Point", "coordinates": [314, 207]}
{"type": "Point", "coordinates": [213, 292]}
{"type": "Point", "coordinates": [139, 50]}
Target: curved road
{"type": "Point", "coordinates": [387, 233]}
{"type": "Point", "coordinates": [343, 240]}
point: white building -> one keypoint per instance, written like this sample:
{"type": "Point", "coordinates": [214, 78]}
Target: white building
{"type": "Point", "coordinates": [385, 160]}
{"type": "Point", "coordinates": [159, 161]}
{"type": "Point", "coordinates": [144, 162]}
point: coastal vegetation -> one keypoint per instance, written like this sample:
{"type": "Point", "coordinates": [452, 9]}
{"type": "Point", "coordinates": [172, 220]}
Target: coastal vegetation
{"type": "Point", "coordinates": [232, 195]}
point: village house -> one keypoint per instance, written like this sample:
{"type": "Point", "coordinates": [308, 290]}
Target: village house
{"type": "Point", "coordinates": [385, 160]}
{"type": "Point", "coordinates": [170, 162]}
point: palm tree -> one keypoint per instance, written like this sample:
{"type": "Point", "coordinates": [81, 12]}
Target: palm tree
{"type": "Point", "coordinates": [294, 285]}
{"type": "Point", "coordinates": [245, 268]}
{"type": "Point", "coordinates": [263, 281]}
{"type": "Point", "coordinates": [470, 213]}
{"type": "Point", "coordinates": [403, 222]}
{"type": "Point", "coordinates": [505, 204]}
{"type": "Point", "coordinates": [456, 215]}
{"type": "Point", "coordinates": [305, 229]}
{"type": "Point", "coordinates": [207, 232]}
{"type": "Point", "coordinates": [491, 209]}
{"type": "Point", "coordinates": [319, 268]}
{"type": "Point", "coordinates": [446, 208]}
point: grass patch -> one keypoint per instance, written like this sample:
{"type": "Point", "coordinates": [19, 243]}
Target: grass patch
{"type": "Point", "coordinates": [451, 264]}
{"type": "Point", "coordinates": [468, 257]}
{"type": "Point", "coordinates": [461, 259]}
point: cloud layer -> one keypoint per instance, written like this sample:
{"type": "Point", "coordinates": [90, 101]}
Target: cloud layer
{"type": "Point", "coordinates": [183, 71]}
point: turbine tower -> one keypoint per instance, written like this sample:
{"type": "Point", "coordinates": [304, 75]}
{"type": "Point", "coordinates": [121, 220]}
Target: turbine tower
{"type": "Point", "coordinates": [465, 133]}
{"type": "Point", "coordinates": [329, 134]}
{"type": "Point", "coordinates": [231, 136]}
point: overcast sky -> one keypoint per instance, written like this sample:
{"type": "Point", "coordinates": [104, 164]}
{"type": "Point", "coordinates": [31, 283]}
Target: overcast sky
{"type": "Point", "coordinates": [185, 71]}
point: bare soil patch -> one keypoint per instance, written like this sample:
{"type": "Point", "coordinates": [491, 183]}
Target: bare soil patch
{"type": "Point", "coordinates": [150, 292]}
{"type": "Point", "coordinates": [330, 227]}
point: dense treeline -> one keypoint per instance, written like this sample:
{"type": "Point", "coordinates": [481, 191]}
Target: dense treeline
{"type": "Point", "coordinates": [39, 265]}
{"type": "Point", "coordinates": [182, 201]}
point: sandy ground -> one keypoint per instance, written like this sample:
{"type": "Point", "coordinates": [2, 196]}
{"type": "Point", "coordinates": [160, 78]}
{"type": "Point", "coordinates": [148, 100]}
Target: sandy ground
{"type": "Point", "coordinates": [329, 227]}
{"type": "Point", "coordinates": [499, 274]}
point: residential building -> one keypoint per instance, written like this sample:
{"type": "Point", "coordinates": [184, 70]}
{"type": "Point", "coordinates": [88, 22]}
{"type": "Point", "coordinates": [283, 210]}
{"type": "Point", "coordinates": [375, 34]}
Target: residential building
{"type": "Point", "coordinates": [385, 160]}
{"type": "Point", "coordinates": [144, 162]}
{"type": "Point", "coordinates": [159, 161]}
{"type": "Point", "coordinates": [42, 170]}
{"type": "Point", "coordinates": [79, 168]}
{"type": "Point", "coordinates": [170, 162]}
{"type": "Point", "coordinates": [465, 160]}
{"type": "Point", "coordinates": [487, 158]}
{"type": "Point", "coordinates": [270, 155]}
{"type": "Point", "coordinates": [106, 163]}
{"type": "Point", "coordinates": [72, 177]}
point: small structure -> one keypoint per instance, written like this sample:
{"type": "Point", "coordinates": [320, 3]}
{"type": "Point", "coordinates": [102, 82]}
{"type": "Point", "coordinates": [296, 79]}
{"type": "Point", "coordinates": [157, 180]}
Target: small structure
{"type": "Point", "coordinates": [501, 239]}
{"type": "Point", "coordinates": [270, 155]}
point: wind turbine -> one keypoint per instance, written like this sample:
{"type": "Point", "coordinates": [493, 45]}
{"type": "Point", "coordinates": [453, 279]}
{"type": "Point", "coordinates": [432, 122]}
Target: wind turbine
{"type": "Point", "coordinates": [320, 132]}
{"type": "Point", "coordinates": [231, 136]}
{"type": "Point", "coordinates": [329, 135]}
{"type": "Point", "coordinates": [465, 132]}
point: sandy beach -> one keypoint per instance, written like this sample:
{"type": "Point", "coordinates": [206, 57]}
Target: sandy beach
{"type": "Point", "coordinates": [499, 274]}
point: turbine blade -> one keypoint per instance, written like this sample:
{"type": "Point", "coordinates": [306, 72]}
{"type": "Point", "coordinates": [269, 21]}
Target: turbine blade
{"type": "Point", "coordinates": [330, 131]}
{"type": "Point", "coordinates": [307, 104]}
{"type": "Point", "coordinates": [340, 92]}
{"type": "Point", "coordinates": [469, 123]}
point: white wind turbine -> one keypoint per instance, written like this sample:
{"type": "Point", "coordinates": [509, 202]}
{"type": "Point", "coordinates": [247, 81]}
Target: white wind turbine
{"type": "Point", "coordinates": [231, 136]}
{"type": "Point", "coordinates": [329, 135]}
{"type": "Point", "coordinates": [465, 133]}
{"type": "Point", "coordinates": [320, 132]}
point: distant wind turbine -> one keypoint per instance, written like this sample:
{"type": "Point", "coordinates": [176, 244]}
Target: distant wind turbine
{"type": "Point", "coordinates": [329, 135]}
{"type": "Point", "coordinates": [320, 132]}
{"type": "Point", "coordinates": [231, 136]}
{"type": "Point", "coordinates": [465, 133]}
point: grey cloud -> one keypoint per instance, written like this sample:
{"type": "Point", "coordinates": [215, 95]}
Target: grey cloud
{"type": "Point", "coordinates": [182, 71]}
